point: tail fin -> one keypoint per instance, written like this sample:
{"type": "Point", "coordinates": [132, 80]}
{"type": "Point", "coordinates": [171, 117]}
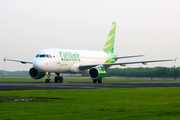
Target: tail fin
{"type": "Point", "coordinates": [109, 47]}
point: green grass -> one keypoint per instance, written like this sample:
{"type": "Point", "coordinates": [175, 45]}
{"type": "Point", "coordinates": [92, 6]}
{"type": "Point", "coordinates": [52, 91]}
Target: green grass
{"type": "Point", "coordinates": [71, 79]}
{"type": "Point", "coordinates": [118, 103]}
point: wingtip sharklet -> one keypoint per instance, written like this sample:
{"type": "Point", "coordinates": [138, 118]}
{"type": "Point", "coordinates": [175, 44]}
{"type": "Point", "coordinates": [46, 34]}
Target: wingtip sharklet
{"type": "Point", "coordinates": [4, 59]}
{"type": "Point", "coordinates": [175, 59]}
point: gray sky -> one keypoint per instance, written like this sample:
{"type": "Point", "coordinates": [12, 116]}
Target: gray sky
{"type": "Point", "coordinates": [148, 27]}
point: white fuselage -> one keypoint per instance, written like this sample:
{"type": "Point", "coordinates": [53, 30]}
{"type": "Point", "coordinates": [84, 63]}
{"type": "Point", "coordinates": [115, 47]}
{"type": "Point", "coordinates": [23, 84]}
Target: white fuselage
{"type": "Point", "coordinates": [66, 60]}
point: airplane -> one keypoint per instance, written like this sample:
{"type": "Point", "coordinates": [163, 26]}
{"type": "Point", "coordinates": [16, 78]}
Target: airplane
{"type": "Point", "coordinates": [95, 63]}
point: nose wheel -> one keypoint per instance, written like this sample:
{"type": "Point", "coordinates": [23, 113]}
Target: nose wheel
{"type": "Point", "coordinates": [48, 80]}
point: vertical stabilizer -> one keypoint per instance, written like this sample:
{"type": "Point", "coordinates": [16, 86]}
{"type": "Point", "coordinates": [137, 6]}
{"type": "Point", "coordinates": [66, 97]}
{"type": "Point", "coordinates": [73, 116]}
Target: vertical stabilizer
{"type": "Point", "coordinates": [109, 47]}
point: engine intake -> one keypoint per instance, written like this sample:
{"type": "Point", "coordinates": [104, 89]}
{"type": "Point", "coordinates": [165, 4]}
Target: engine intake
{"type": "Point", "coordinates": [35, 74]}
{"type": "Point", "coordinates": [97, 73]}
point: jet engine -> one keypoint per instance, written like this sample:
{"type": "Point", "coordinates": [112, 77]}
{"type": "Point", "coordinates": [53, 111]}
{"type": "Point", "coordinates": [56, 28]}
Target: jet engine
{"type": "Point", "coordinates": [97, 73]}
{"type": "Point", "coordinates": [35, 74]}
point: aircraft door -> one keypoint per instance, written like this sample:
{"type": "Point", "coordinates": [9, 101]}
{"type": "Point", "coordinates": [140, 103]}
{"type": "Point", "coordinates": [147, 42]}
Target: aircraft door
{"type": "Point", "coordinates": [58, 63]}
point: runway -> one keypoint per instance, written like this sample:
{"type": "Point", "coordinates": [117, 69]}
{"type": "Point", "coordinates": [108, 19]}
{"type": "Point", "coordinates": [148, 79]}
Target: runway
{"type": "Point", "coordinates": [84, 85]}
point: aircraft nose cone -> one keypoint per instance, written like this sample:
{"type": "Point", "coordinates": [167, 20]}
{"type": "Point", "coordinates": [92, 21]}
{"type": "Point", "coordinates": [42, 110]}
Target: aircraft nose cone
{"type": "Point", "coordinates": [38, 64]}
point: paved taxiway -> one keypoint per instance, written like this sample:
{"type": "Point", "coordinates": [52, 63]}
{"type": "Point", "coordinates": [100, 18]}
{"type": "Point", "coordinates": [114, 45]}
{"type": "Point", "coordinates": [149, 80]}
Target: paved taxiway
{"type": "Point", "coordinates": [85, 85]}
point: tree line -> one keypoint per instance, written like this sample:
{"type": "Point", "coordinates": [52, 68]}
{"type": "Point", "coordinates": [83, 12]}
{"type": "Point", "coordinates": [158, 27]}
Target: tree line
{"type": "Point", "coordinates": [145, 72]}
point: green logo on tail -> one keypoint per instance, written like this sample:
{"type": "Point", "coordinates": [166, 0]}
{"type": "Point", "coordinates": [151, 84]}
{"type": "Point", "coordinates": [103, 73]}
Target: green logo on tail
{"type": "Point", "coordinates": [109, 46]}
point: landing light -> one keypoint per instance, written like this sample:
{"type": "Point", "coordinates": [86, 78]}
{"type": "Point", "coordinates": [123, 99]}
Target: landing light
{"type": "Point", "coordinates": [144, 63]}
{"type": "Point", "coordinates": [122, 64]}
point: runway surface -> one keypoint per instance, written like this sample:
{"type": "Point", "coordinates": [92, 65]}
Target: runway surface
{"type": "Point", "coordinates": [85, 85]}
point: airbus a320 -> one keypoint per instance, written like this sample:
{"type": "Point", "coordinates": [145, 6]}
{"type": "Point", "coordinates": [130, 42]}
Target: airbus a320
{"type": "Point", "coordinates": [95, 63]}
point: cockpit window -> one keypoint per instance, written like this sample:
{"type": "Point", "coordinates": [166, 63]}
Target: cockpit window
{"type": "Point", "coordinates": [43, 56]}
{"type": "Point", "coordinates": [50, 56]}
{"type": "Point", "coordinates": [37, 55]}
{"type": "Point", "coordinates": [47, 56]}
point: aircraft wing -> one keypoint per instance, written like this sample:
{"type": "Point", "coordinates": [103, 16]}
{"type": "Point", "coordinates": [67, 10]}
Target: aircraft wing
{"type": "Point", "coordinates": [21, 61]}
{"type": "Point", "coordinates": [82, 67]}
{"type": "Point", "coordinates": [128, 56]}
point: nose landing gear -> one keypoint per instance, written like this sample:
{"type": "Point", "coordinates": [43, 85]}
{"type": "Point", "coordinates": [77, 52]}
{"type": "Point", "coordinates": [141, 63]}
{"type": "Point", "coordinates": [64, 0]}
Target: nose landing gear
{"type": "Point", "coordinates": [48, 80]}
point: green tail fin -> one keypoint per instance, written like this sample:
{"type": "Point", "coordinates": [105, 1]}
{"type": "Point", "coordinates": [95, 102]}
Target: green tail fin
{"type": "Point", "coordinates": [109, 47]}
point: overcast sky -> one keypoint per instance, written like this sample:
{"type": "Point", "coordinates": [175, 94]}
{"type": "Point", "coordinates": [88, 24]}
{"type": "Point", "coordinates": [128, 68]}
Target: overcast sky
{"type": "Point", "coordinates": [148, 27]}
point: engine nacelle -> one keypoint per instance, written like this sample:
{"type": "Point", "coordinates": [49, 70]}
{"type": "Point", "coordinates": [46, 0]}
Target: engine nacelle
{"type": "Point", "coordinates": [97, 73]}
{"type": "Point", "coordinates": [35, 74]}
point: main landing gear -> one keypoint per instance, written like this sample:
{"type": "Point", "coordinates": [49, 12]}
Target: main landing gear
{"type": "Point", "coordinates": [57, 78]}
{"type": "Point", "coordinates": [99, 81]}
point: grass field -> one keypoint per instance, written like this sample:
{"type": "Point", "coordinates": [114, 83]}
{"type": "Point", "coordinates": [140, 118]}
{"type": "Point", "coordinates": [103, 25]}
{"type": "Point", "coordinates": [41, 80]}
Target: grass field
{"type": "Point", "coordinates": [116, 103]}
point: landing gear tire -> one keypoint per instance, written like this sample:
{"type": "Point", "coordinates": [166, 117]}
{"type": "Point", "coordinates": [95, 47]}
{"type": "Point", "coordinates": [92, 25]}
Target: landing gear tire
{"type": "Point", "coordinates": [94, 81]}
{"type": "Point", "coordinates": [56, 79]}
{"type": "Point", "coordinates": [48, 80]}
{"type": "Point", "coordinates": [100, 81]}
{"type": "Point", "coordinates": [61, 79]}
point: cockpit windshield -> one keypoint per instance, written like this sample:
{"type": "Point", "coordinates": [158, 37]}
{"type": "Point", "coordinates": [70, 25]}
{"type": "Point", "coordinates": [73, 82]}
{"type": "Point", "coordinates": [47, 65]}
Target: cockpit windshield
{"type": "Point", "coordinates": [43, 56]}
{"type": "Point", "coordinates": [37, 55]}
